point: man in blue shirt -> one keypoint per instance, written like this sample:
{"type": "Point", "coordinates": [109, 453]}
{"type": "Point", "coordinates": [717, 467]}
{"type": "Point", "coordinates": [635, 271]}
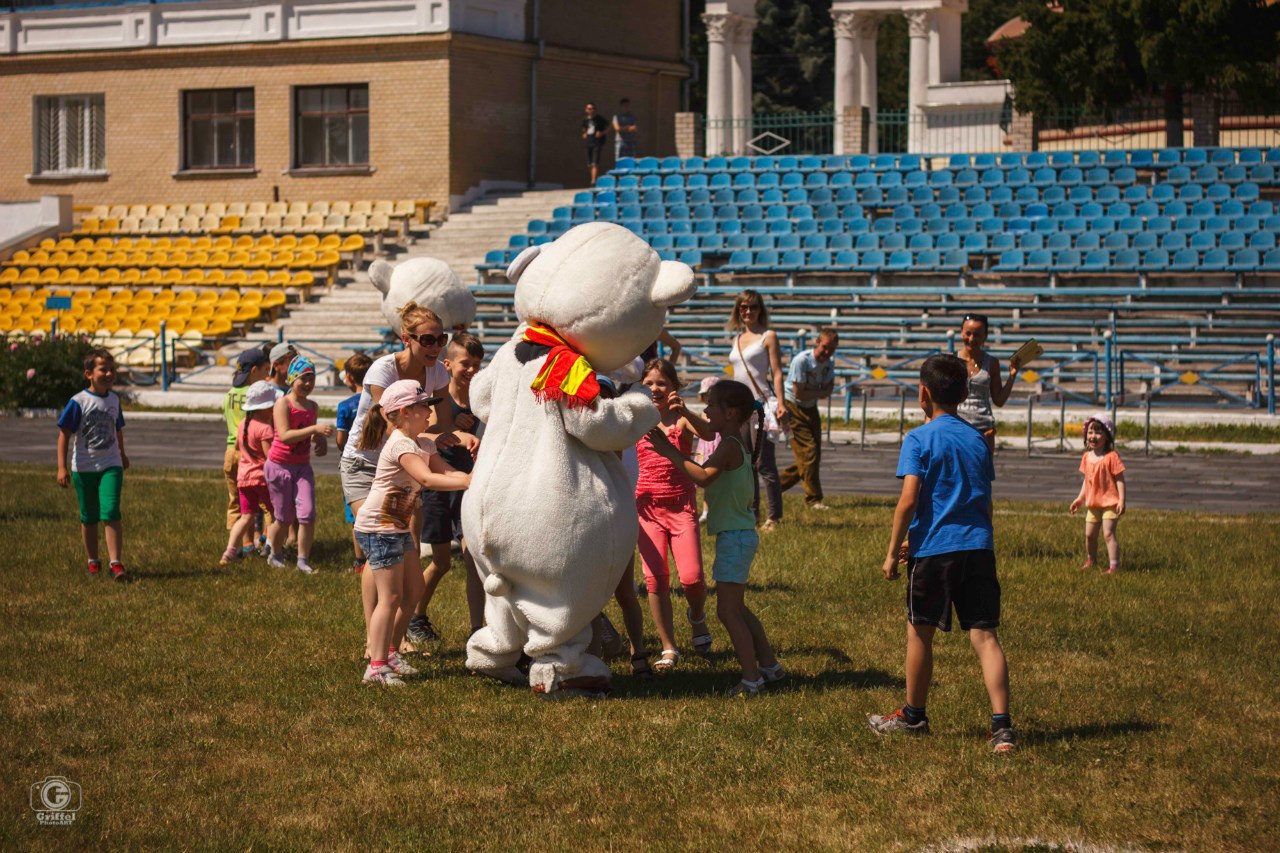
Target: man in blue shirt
{"type": "Point", "coordinates": [811, 378]}
{"type": "Point", "coordinates": [946, 472]}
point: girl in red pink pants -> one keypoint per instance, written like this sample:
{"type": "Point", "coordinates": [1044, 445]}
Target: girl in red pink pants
{"type": "Point", "coordinates": [666, 500]}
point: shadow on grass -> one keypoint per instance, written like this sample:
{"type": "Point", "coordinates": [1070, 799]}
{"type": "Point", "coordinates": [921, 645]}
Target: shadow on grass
{"type": "Point", "coordinates": [30, 514]}
{"type": "Point", "coordinates": [1088, 731]}
{"type": "Point", "coordinates": [689, 684]}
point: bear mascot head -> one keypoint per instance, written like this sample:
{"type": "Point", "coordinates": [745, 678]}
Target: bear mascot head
{"type": "Point", "coordinates": [428, 282]}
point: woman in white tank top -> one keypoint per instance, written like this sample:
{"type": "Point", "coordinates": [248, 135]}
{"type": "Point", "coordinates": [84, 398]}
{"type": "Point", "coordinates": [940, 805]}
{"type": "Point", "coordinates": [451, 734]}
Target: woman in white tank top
{"type": "Point", "coordinates": [985, 386]}
{"type": "Point", "coordinates": [756, 360]}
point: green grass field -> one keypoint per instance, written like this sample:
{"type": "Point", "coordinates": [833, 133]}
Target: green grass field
{"type": "Point", "coordinates": [221, 709]}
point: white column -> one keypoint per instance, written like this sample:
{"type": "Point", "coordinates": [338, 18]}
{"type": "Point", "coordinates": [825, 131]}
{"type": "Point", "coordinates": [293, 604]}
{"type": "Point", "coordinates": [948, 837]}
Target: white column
{"type": "Point", "coordinates": [717, 84]}
{"type": "Point", "coordinates": [935, 49]}
{"type": "Point", "coordinates": [868, 27]}
{"type": "Point", "coordinates": [741, 87]}
{"type": "Point", "coordinates": [918, 24]}
{"type": "Point", "coordinates": [847, 67]}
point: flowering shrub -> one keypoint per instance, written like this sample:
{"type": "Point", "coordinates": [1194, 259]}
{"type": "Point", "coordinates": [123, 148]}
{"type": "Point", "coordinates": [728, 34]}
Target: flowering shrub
{"type": "Point", "coordinates": [42, 372]}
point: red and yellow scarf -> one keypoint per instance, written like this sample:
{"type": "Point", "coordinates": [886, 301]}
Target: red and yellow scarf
{"type": "Point", "coordinates": [566, 374]}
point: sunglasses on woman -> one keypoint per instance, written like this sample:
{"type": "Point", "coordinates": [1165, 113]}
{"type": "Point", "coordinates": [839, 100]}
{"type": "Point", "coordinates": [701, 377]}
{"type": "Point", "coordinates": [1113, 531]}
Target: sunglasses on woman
{"type": "Point", "coordinates": [429, 340]}
{"type": "Point", "coordinates": [749, 306]}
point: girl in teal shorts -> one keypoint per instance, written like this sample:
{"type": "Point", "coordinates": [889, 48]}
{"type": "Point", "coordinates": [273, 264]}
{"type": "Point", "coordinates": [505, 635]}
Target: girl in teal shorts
{"type": "Point", "coordinates": [729, 478]}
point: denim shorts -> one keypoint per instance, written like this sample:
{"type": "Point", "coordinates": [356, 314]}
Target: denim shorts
{"type": "Point", "coordinates": [384, 550]}
{"type": "Point", "coordinates": [735, 549]}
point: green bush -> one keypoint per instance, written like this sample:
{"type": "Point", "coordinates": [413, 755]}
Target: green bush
{"type": "Point", "coordinates": [41, 372]}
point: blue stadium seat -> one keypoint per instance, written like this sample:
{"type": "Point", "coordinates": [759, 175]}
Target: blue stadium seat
{"type": "Point", "coordinates": [871, 261]}
{"type": "Point", "coordinates": [814, 241]}
{"type": "Point", "coordinates": [840, 241]}
{"type": "Point", "coordinates": [927, 260]}
{"type": "Point", "coordinates": [1010, 261]}
{"type": "Point", "coordinates": [820, 260]}
{"type": "Point", "coordinates": [1066, 261]}
{"type": "Point", "coordinates": [736, 242]}
{"type": "Point", "coordinates": [651, 182]}
{"type": "Point", "coordinates": [1245, 260]}
{"type": "Point", "coordinates": [978, 243]}
{"type": "Point", "coordinates": [1215, 260]}
{"type": "Point", "coordinates": [893, 242]}
{"type": "Point", "coordinates": [1070, 177]}
{"type": "Point", "coordinates": [899, 261]}
{"type": "Point", "coordinates": [1142, 158]}
{"type": "Point", "coordinates": [1119, 210]}
{"type": "Point", "coordinates": [1125, 260]}
{"type": "Point", "coordinates": [1116, 241]}
{"type": "Point", "coordinates": [1203, 241]}
{"type": "Point", "coordinates": [1174, 241]}
{"type": "Point", "coordinates": [1185, 260]}
{"type": "Point", "coordinates": [1178, 175]}
{"type": "Point", "coordinates": [661, 242]}
{"type": "Point", "coordinates": [1030, 241]}
{"type": "Point", "coordinates": [866, 242]}
{"type": "Point", "coordinates": [1232, 240]}
{"type": "Point", "coordinates": [1098, 260]}
{"type": "Point", "coordinates": [1155, 260]}
{"type": "Point", "coordinates": [1145, 241]}
{"type": "Point", "coordinates": [1056, 242]}
{"type": "Point", "coordinates": [1249, 156]}
{"type": "Point", "coordinates": [1115, 158]}
{"type": "Point", "coordinates": [1038, 260]}
{"type": "Point", "coordinates": [845, 259]}
{"type": "Point", "coordinates": [1271, 261]}
{"type": "Point", "coordinates": [1262, 240]}
{"type": "Point", "coordinates": [1206, 174]}
{"type": "Point", "coordinates": [946, 242]}
{"type": "Point", "coordinates": [958, 161]}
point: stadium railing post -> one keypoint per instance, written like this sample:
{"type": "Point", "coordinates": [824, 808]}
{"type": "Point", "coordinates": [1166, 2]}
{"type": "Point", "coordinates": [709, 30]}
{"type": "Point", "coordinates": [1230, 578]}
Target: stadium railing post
{"type": "Point", "coordinates": [1031, 405]}
{"type": "Point", "coordinates": [1146, 438]}
{"type": "Point", "coordinates": [164, 356]}
{"type": "Point", "coordinates": [864, 419]}
{"type": "Point", "coordinates": [1106, 342]}
{"type": "Point", "coordinates": [1062, 422]}
{"type": "Point", "coordinates": [1271, 374]}
{"type": "Point", "coordinates": [902, 414]}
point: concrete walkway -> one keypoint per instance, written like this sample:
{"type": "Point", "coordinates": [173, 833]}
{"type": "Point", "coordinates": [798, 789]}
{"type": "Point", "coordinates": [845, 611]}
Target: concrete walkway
{"type": "Point", "coordinates": [1215, 482]}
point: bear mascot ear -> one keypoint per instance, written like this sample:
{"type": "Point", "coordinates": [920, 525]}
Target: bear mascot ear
{"type": "Point", "coordinates": [674, 284]}
{"type": "Point", "coordinates": [522, 261]}
{"type": "Point", "coordinates": [380, 274]}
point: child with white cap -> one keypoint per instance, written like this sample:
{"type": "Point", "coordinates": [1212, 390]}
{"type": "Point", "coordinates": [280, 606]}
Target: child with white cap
{"type": "Point", "coordinates": [253, 443]}
{"type": "Point", "coordinates": [406, 465]}
{"type": "Point", "coordinates": [1103, 491]}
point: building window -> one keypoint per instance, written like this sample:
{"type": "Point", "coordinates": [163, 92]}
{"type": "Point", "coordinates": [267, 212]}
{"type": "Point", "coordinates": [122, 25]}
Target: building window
{"type": "Point", "coordinates": [332, 126]}
{"type": "Point", "coordinates": [70, 134]}
{"type": "Point", "coordinates": [218, 129]}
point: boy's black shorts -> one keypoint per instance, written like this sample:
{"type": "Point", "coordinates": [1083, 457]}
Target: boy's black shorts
{"type": "Point", "coordinates": [965, 579]}
{"type": "Point", "coordinates": [441, 517]}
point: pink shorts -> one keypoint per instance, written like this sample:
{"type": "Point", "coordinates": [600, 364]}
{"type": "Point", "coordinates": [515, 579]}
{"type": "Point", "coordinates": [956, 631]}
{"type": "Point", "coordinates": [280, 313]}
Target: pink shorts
{"type": "Point", "coordinates": [254, 498]}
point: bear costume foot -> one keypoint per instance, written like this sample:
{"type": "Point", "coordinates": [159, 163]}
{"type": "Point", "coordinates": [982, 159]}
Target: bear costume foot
{"type": "Point", "coordinates": [586, 686]}
{"type": "Point", "coordinates": [508, 675]}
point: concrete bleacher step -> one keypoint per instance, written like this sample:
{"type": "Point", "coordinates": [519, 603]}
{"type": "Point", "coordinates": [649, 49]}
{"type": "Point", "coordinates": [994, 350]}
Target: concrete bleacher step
{"type": "Point", "coordinates": [348, 315]}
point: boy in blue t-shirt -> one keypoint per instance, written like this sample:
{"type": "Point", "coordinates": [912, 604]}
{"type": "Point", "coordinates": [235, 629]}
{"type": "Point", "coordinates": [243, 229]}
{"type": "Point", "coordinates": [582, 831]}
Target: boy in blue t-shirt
{"type": "Point", "coordinates": [946, 472]}
{"type": "Point", "coordinates": [353, 375]}
{"type": "Point", "coordinates": [92, 428]}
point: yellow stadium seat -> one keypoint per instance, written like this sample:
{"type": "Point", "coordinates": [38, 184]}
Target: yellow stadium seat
{"type": "Point", "coordinates": [171, 276]}
{"type": "Point", "coordinates": [99, 210]}
{"type": "Point", "coordinates": [48, 275]}
{"type": "Point", "coordinates": [353, 243]}
{"type": "Point", "coordinates": [190, 223]}
{"type": "Point", "coordinates": [256, 208]}
{"type": "Point", "coordinates": [215, 277]}
{"type": "Point", "coordinates": [235, 208]}
{"type": "Point", "coordinates": [302, 279]}
{"type": "Point", "coordinates": [10, 275]}
{"type": "Point", "coordinates": [279, 278]}
{"type": "Point", "coordinates": [276, 208]}
{"type": "Point", "coordinates": [226, 224]}
{"type": "Point", "coordinates": [90, 225]}
{"type": "Point", "coordinates": [178, 258]}
{"type": "Point", "coordinates": [282, 259]}
{"type": "Point", "coordinates": [239, 259]}
{"type": "Point", "coordinates": [299, 208]}
{"type": "Point", "coordinates": [185, 297]}
{"type": "Point", "coordinates": [404, 208]}
{"type": "Point", "coordinates": [328, 258]}
{"type": "Point", "coordinates": [266, 241]}
{"type": "Point", "coordinates": [219, 329]}
{"type": "Point", "coordinates": [221, 243]}
{"type": "Point", "coordinates": [236, 278]}
{"type": "Point", "coordinates": [260, 260]}
{"type": "Point", "coordinates": [85, 244]}
{"type": "Point", "coordinates": [183, 242]}
{"type": "Point", "coordinates": [92, 275]}
{"type": "Point", "coordinates": [287, 242]}
{"type": "Point", "coordinates": [259, 278]}
{"type": "Point", "coordinates": [160, 244]}
{"type": "Point", "coordinates": [152, 275]}
{"type": "Point", "coordinates": [365, 207]}
{"type": "Point", "coordinates": [193, 276]}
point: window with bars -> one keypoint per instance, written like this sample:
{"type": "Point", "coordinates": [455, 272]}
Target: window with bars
{"type": "Point", "coordinates": [70, 134]}
{"type": "Point", "coordinates": [217, 129]}
{"type": "Point", "coordinates": [331, 125]}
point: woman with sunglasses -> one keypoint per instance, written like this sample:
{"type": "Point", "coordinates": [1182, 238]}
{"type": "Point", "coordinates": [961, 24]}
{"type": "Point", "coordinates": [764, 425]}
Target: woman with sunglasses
{"type": "Point", "coordinates": [424, 339]}
{"type": "Point", "coordinates": [756, 359]}
{"type": "Point", "coordinates": [985, 385]}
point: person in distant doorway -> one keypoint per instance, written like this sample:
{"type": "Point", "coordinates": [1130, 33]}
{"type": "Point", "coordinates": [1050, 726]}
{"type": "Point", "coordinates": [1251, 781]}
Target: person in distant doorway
{"type": "Point", "coordinates": [624, 130]}
{"type": "Point", "coordinates": [594, 131]}
{"type": "Point", "coordinates": [811, 378]}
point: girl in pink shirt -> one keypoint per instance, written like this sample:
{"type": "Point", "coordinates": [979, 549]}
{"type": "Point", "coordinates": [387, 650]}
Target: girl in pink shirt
{"type": "Point", "coordinates": [666, 500]}
{"type": "Point", "coordinates": [288, 467]}
{"type": "Point", "coordinates": [1102, 492]}
{"type": "Point", "coordinates": [253, 445]}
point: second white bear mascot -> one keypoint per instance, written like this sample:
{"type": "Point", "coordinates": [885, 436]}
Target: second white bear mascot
{"type": "Point", "coordinates": [550, 516]}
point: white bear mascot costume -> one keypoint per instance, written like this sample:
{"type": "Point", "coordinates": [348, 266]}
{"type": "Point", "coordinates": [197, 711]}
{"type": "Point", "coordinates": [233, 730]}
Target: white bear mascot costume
{"type": "Point", "coordinates": [428, 282]}
{"type": "Point", "coordinates": [550, 516]}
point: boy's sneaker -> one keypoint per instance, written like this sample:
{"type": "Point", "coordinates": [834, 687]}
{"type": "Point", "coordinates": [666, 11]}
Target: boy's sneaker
{"type": "Point", "coordinates": [896, 722]}
{"type": "Point", "coordinates": [1003, 741]}
{"type": "Point", "coordinates": [275, 562]}
{"type": "Point", "coordinates": [400, 666]}
{"type": "Point", "coordinates": [94, 568]}
{"type": "Point", "coordinates": [385, 677]}
{"type": "Point", "coordinates": [421, 630]}
{"type": "Point", "coordinates": [119, 574]}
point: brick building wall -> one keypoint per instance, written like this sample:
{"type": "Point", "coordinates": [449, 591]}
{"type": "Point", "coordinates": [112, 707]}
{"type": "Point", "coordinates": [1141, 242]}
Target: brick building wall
{"type": "Point", "coordinates": [408, 117]}
{"type": "Point", "coordinates": [446, 112]}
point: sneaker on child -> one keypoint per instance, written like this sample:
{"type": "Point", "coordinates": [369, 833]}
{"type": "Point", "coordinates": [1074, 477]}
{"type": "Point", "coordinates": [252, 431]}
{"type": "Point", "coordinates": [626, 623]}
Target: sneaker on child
{"type": "Point", "coordinates": [421, 630]}
{"type": "Point", "coordinates": [400, 666]}
{"type": "Point", "coordinates": [896, 722]}
{"type": "Point", "coordinates": [119, 574]}
{"type": "Point", "coordinates": [1003, 740]}
{"type": "Point", "coordinates": [384, 676]}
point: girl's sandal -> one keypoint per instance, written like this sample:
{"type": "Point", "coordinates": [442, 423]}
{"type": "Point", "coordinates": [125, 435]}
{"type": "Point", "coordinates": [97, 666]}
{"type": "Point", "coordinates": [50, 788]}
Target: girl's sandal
{"type": "Point", "coordinates": [640, 668]}
{"type": "Point", "coordinates": [701, 636]}
{"type": "Point", "coordinates": [772, 673]}
{"type": "Point", "coordinates": [667, 661]}
{"type": "Point", "coordinates": [747, 689]}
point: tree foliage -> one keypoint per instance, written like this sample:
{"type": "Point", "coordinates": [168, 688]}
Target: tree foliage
{"type": "Point", "coordinates": [1106, 54]}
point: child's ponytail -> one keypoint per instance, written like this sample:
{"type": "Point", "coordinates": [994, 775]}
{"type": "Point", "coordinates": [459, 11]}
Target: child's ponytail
{"type": "Point", "coordinates": [757, 443]}
{"type": "Point", "coordinates": [374, 429]}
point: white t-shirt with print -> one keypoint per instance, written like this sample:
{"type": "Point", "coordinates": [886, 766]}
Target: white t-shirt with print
{"type": "Point", "coordinates": [394, 494]}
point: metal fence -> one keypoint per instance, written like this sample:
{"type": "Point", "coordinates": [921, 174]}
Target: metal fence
{"type": "Point", "coordinates": [770, 134]}
{"type": "Point", "coordinates": [1228, 124]}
